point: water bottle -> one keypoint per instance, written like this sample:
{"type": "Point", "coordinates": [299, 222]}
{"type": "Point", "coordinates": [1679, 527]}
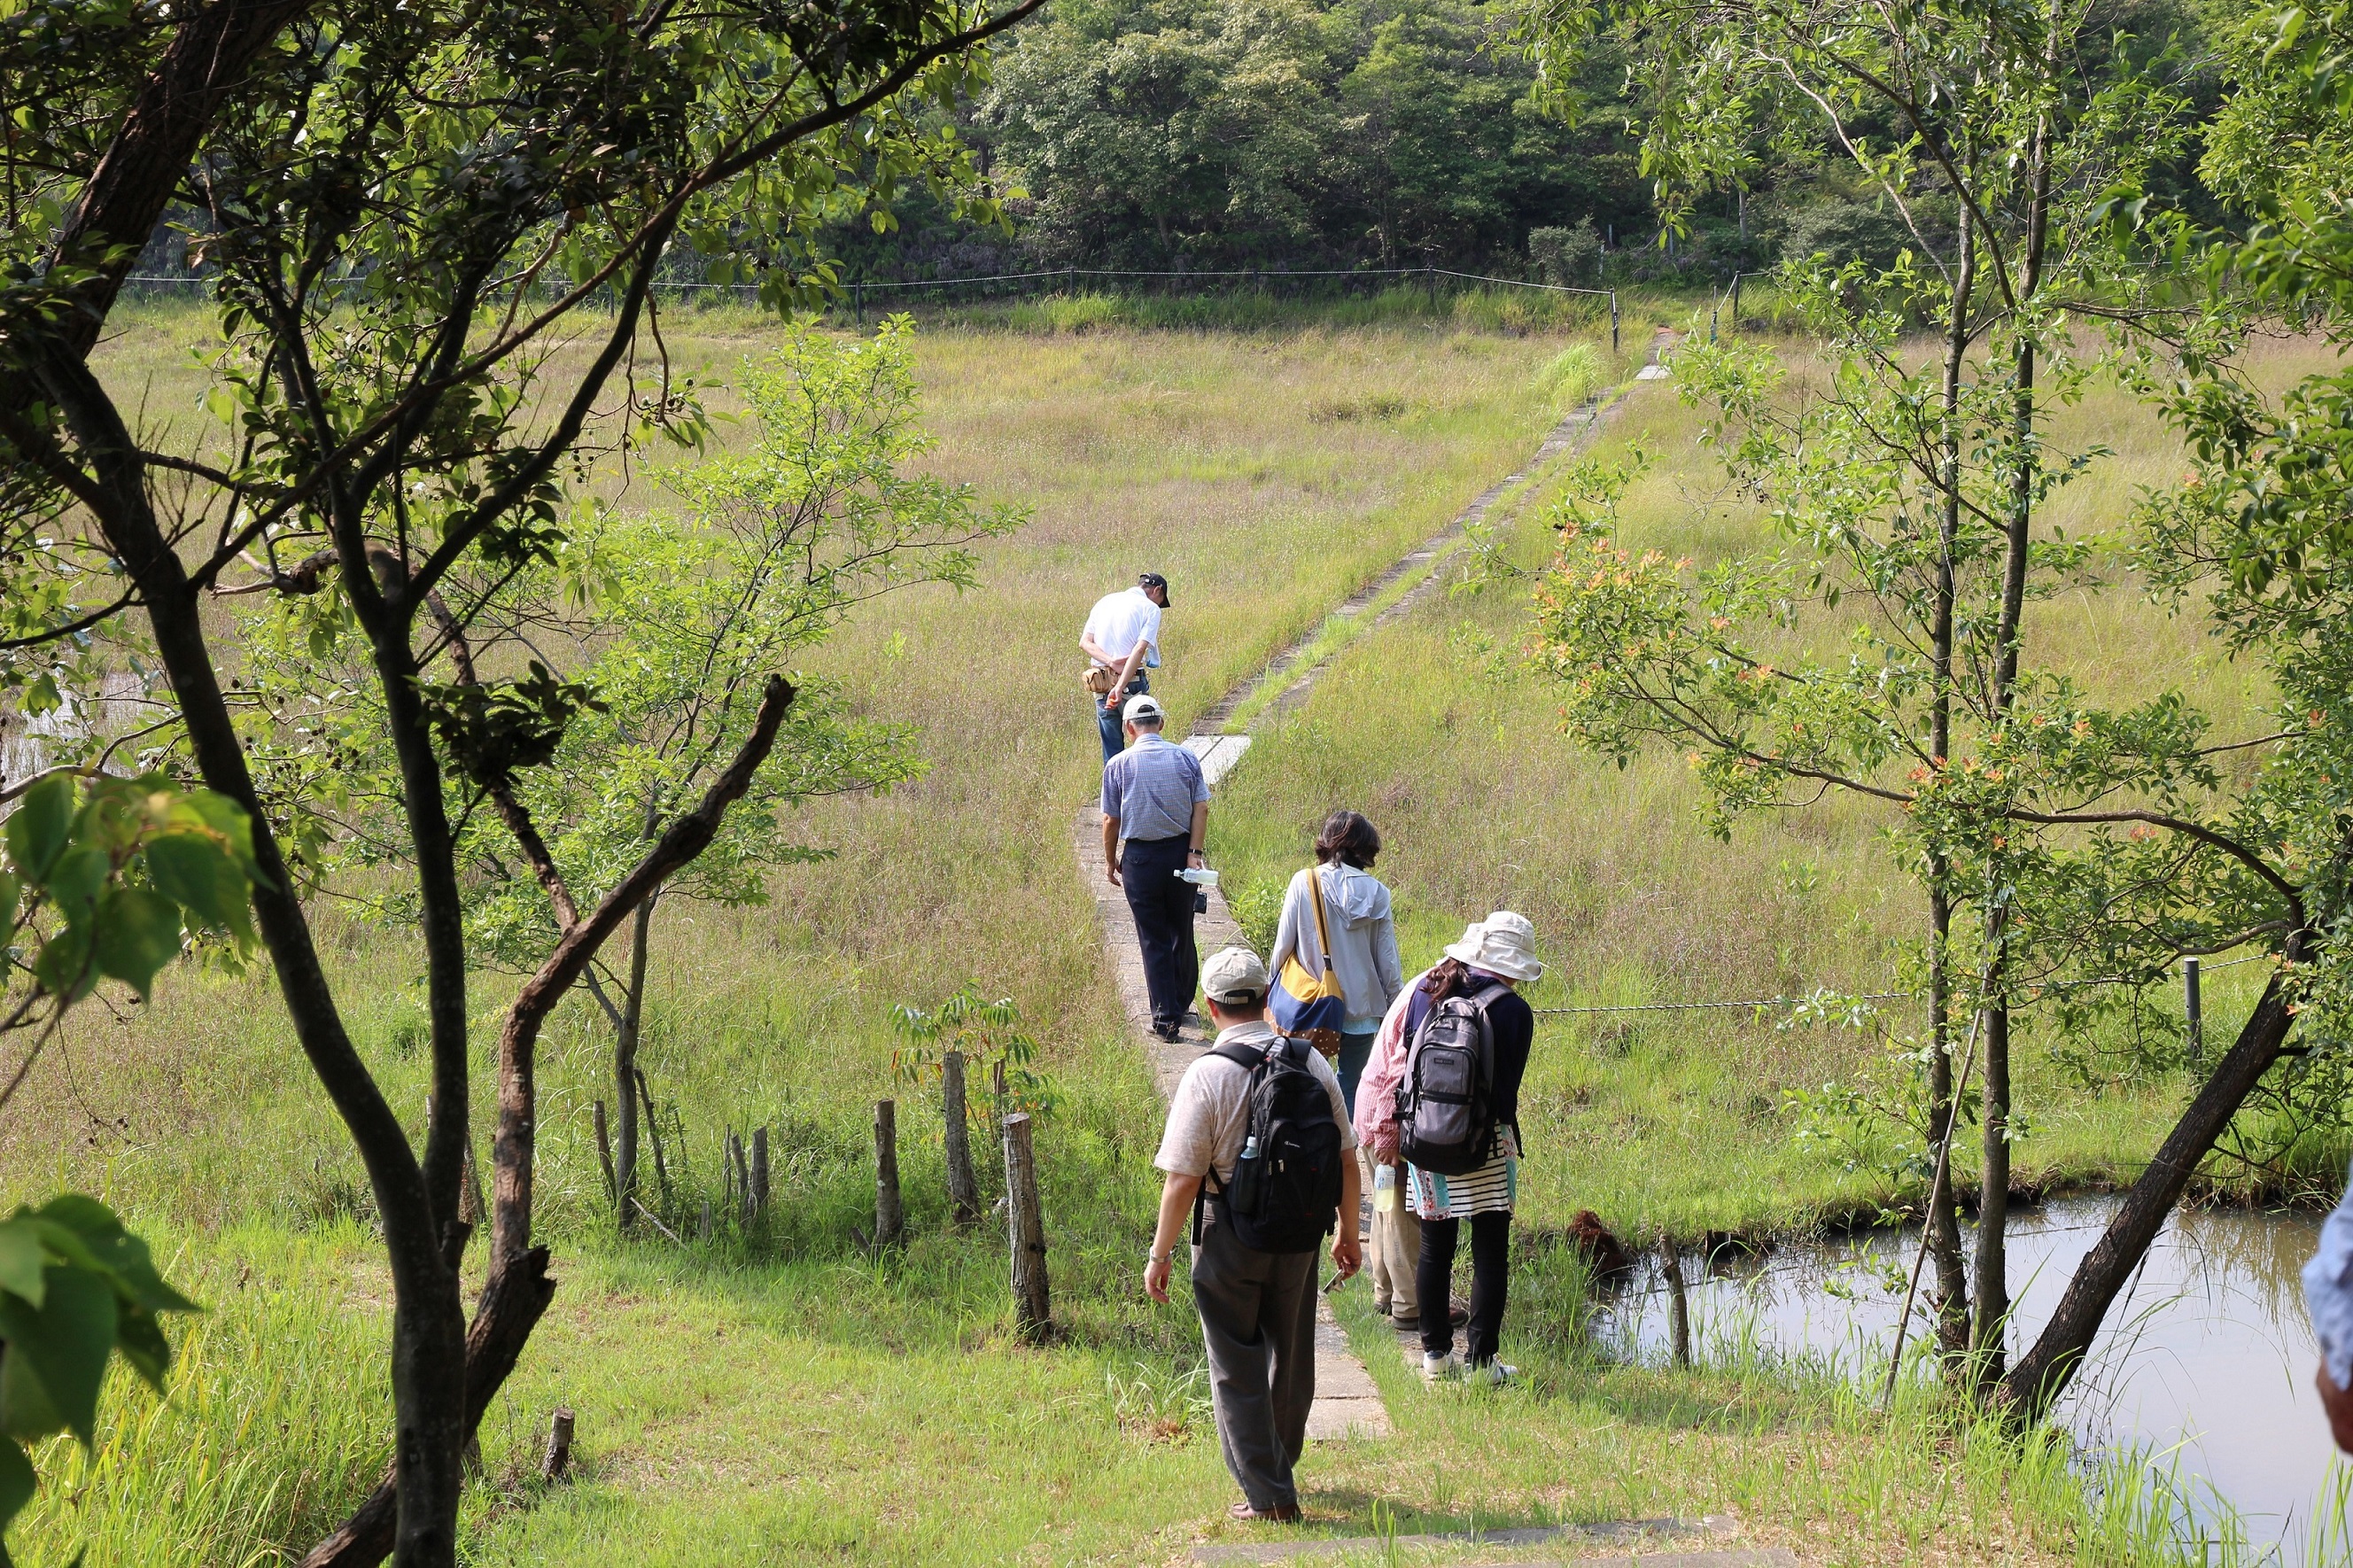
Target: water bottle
{"type": "Point", "coordinates": [1385, 1189]}
{"type": "Point", "coordinates": [1250, 1149]}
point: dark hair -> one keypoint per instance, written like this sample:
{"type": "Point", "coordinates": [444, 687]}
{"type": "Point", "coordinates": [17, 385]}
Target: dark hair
{"type": "Point", "coordinates": [1348, 837]}
{"type": "Point", "coordinates": [1451, 977]}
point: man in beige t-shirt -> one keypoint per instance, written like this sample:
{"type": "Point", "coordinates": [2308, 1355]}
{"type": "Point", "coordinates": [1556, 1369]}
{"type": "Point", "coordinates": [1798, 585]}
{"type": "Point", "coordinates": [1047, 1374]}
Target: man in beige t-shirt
{"type": "Point", "coordinates": [1250, 1302]}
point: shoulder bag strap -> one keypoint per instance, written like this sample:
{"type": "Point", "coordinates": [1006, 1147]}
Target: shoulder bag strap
{"type": "Point", "coordinates": [1322, 932]}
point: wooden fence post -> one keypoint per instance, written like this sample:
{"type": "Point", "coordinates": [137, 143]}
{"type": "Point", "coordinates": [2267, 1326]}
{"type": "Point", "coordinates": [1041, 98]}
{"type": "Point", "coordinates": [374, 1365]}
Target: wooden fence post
{"type": "Point", "coordinates": [1031, 1305]}
{"type": "Point", "coordinates": [743, 1210]}
{"type": "Point", "coordinates": [604, 1156]}
{"type": "Point", "coordinates": [963, 1188]}
{"type": "Point", "coordinates": [1678, 1303]}
{"type": "Point", "coordinates": [706, 1217]}
{"type": "Point", "coordinates": [759, 1172]}
{"type": "Point", "coordinates": [558, 1458]}
{"type": "Point", "coordinates": [2193, 1011]}
{"type": "Point", "coordinates": [890, 1214]}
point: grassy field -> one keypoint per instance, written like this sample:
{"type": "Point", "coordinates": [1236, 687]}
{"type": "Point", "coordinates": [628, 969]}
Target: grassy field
{"type": "Point", "coordinates": [1686, 1120]}
{"type": "Point", "coordinates": [784, 1398]}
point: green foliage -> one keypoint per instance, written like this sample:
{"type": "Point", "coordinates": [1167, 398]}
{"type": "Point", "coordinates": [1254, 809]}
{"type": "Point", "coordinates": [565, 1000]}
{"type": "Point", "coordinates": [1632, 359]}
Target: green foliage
{"type": "Point", "coordinates": [987, 1033]}
{"type": "Point", "coordinates": [98, 883]}
{"type": "Point", "coordinates": [1363, 130]}
{"type": "Point", "coordinates": [1569, 257]}
{"type": "Point", "coordinates": [2255, 531]}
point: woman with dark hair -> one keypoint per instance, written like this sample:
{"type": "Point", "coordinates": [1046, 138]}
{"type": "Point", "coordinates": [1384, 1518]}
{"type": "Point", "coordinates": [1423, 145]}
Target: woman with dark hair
{"type": "Point", "coordinates": [1494, 958]}
{"type": "Point", "coordinates": [1355, 917]}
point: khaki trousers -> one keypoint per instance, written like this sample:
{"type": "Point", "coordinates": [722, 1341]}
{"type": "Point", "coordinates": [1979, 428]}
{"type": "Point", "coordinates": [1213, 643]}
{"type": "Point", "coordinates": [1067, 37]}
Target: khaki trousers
{"type": "Point", "coordinates": [1396, 1248]}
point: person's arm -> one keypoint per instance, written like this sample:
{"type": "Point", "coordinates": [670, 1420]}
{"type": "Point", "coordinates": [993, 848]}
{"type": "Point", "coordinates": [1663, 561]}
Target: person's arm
{"type": "Point", "coordinates": [1200, 828]}
{"type": "Point", "coordinates": [1347, 1251]}
{"type": "Point", "coordinates": [2338, 1403]}
{"type": "Point", "coordinates": [1129, 666]}
{"type": "Point", "coordinates": [1111, 847]}
{"type": "Point", "coordinates": [1095, 650]}
{"type": "Point", "coordinates": [1176, 1195]}
{"type": "Point", "coordinates": [1286, 928]}
{"type": "Point", "coordinates": [1515, 1033]}
{"type": "Point", "coordinates": [1377, 1090]}
{"type": "Point", "coordinates": [1386, 966]}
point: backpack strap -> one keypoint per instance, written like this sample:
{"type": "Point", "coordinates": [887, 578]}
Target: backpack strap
{"type": "Point", "coordinates": [1241, 1055]}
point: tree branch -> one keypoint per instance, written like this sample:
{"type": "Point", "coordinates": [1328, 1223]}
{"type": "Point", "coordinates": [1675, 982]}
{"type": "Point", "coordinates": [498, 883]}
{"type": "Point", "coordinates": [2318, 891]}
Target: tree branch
{"type": "Point", "coordinates": [513, 1150]}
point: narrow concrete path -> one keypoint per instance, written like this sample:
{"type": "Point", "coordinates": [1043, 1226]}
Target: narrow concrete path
{"type": "Point", "coordinates": [1347, 1402]}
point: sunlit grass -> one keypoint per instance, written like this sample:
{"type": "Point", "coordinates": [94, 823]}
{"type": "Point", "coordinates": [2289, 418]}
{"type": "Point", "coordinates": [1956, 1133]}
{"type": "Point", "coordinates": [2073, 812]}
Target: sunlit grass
{"type": "Point", "coordinates": [781, 1397]}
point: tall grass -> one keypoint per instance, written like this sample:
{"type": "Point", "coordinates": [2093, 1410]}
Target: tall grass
{"type": "Point", "coordinates": [1688, 1119]}
{"type": "Point", "coordinates": [277, 1417]}
{"type": "Point", "coordinates": [782, 1396]}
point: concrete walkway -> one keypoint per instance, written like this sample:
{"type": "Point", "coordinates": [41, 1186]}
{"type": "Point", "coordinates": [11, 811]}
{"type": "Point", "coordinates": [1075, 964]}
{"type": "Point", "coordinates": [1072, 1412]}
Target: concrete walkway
{"type": "Point", "coordinates": [1347, 1402]}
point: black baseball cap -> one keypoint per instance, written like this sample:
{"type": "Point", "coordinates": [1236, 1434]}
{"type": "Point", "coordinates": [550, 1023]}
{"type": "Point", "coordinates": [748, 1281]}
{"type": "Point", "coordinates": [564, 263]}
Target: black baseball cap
{"type": "Point", "coordinates": [1154, 580]}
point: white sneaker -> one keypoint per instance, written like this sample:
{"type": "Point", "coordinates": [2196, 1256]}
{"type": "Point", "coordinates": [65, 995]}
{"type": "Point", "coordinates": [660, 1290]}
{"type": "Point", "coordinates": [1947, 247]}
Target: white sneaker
{"type": "Point", "coordinates": [1438, 1369]}
{"type": "Point", "coordinates": [1495, 1374]}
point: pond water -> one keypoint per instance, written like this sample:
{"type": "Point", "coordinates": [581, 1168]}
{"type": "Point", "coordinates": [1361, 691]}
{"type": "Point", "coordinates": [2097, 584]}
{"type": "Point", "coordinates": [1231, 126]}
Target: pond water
{"type": "Point", "coordinates": [2205, 1364]}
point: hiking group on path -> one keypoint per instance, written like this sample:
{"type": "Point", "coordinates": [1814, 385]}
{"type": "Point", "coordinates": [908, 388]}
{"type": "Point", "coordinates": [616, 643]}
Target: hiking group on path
{"type": "Point", "coordinates": [1330, 1073]}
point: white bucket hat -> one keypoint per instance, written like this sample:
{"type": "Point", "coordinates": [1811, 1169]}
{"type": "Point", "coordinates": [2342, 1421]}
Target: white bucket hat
{"type": "Point", "coordinates": [1504, 943]}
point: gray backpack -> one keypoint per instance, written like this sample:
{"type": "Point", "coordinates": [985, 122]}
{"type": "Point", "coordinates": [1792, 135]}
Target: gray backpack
{"type": "Point", "coordinates": [1446, 1101]}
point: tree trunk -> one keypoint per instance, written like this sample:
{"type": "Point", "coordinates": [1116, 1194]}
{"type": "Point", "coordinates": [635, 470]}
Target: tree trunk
{"type": "Point", "coordinates": [514, 1150]}
{"type": "Point", "coordinates": [428, 1318]}
{"type": "Point", "coordinates": [1992, 1306]}
{"type": "Point", "coordinates": [510, 1307]}
{"type": "Point", "coordinates": [625, 1066]}
{"type": "Point", "coordinates": [1991, 1318]}
{"type": "Point", "coordinates": [1943, 1231]}
{"type": "Point", "coordinates": [2042, 1374]}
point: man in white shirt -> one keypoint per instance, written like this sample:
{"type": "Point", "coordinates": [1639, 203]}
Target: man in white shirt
{"type": "Point", "coordinates": [1257, 1308]}
{"type": "Point", "coordinates": [1123, 636]}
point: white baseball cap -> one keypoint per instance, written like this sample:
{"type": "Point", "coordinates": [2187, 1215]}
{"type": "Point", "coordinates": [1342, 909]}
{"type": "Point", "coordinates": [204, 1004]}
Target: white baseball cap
{"type": "Point", "coordinates": [1233, 974]}
{"type": "Point", "coordinates": [1142, 706]}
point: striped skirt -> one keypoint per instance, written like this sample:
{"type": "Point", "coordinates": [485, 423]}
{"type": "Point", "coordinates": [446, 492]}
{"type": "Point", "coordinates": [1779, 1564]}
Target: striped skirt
{"type": "Point", "coordinates": [1492, 1188]}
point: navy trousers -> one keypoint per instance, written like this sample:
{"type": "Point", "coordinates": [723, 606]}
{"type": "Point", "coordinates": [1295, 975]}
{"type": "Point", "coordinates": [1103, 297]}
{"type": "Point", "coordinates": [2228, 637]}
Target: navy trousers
{"type": "Point", "coordinates": [1161, 903]}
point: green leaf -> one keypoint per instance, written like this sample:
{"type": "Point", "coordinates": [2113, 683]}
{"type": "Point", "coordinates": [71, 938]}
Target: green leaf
{"type": "Point", "coordinates": [22, 1260]}
{"type": "Point", "coordinates": [56, 1356]}
{"type": "Point", "coordinates": [18, 1484]}
{"type": "Point", "coordinates": [228, 820]}
{"type": "Point", "coordinates": [75, 879]}
{"type": "Point", "coordinates": [37, 830]}
{"type": "Point", "coordinates": [137, 933]}
{"type": "Point", "coordinates": [63, 967]}
{"type": "Point", "coordinates": [9, 888]}
{"type": "Point", "coordinates": [84, 1230]}
{"type": "Point", "coordinates": [141, 1340]}
{"type": "Point", "coordinates": [196, 871]}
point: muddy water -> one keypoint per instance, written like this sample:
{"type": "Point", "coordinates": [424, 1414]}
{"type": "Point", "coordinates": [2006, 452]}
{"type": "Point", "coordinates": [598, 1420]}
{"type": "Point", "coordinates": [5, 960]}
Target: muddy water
{"type": "Point", "coordinates": [2206, 1363]}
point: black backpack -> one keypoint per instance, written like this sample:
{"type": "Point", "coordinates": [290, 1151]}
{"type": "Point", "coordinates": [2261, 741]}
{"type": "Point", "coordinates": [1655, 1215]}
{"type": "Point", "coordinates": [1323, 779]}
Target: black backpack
{"type": "Point", "coordinates": [1446, 1101]}
{"type": "Point", "coordinates": [1286, 1188]}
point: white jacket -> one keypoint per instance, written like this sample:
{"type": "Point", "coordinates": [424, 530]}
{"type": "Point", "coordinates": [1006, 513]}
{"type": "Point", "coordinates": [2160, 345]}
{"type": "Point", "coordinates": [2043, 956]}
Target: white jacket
{"type": "Point", "coordinates": [1363, 938]}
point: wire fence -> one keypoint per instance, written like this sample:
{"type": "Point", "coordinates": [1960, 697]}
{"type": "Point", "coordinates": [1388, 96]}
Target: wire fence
{"type": "Point", "coordinates": [1043, 279]}
{"type": "Point", "coordinates": [1826, 993]}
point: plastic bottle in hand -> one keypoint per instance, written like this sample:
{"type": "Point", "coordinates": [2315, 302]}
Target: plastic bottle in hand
{"type": "Point", "coordinates": [1385, 1189]}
